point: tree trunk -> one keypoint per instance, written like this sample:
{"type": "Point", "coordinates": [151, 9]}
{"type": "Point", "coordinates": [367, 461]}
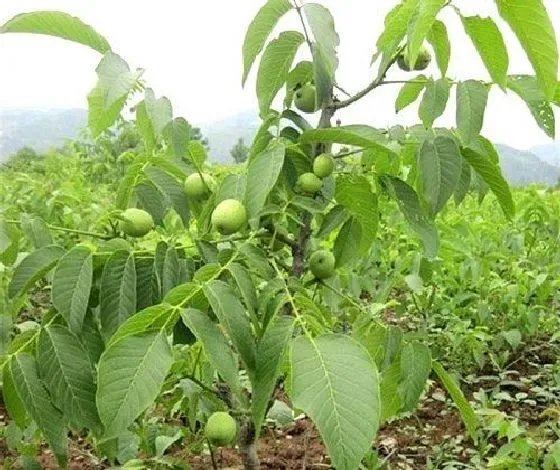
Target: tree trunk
{"type": "Point", "coordinates": [248, 446]}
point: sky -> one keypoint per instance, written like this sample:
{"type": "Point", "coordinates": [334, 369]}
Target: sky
{"type": "Point", "coordinates": [191, 52]}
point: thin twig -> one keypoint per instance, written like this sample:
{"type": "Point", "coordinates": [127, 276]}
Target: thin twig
{"type": "Point", "coordinates": [205, 387]}
{"type": "Point", "coordinates": [372, 86]}
{"type": "Point", "coordinates": [214, 464]}
{"type": "Point", "coordinates": [69, 230]}
{"type": "Point", "coordinates": [306, 34]}
{"type": "Point", "coordinates": [339, 88]}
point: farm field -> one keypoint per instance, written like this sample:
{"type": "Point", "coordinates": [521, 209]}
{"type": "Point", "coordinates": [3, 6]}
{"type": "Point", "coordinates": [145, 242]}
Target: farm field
{"type": "Point", "coordinates": [343, 296]}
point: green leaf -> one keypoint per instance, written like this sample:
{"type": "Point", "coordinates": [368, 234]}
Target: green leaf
{"type": "Point", "coordinates": [114, 84]}
{"type": "Point", "coordinates": [66, 369]}
{"type": "Point", "coordinates": [489, 43]}
{"type": "Point", "coordinates": [531, 24]}
{"type": "Point", "coordinates": [492, 176]}
{"type": "Point", "coordinates": [215, 345]}
{"type": "Point", "coordinates": [440, 170]}
{"type": "Point", "coordinates": [232, 187]}
{"type": "Point", "coordinates": [333, 219]}
{"type": "Point", "coordinates": [259, 30]}
{"type": "Point", "coordinates": [389, 390]}
{"type": "Point", "coordinates": [336, 383]}
{"type": "Point", "coordinates": [231, 313]}
{"type": "Point", "coordinates": [420, 25]}
{"type": "Point", "coordinates": [145, 126]}
{"type": "Point", "coordinates": [71, 286]}
{"type": "Point", "coordinates": [91, 338]}
{"type": "Point", "coordinates": [526, 87]}
{"type": "Point", "coordinates": [274, 67]}
{"type": "Point", "coordinates": [151, 200]}
{"type": "Point", "coordinates": [130, 376]}
{"type": "Point", "coordinates": [355, 134]}
{"type": "Point", "coordinates": [264, 136]}
{"type": "Point", "coordinates": [172, 188]}
{"type": "Point", "coordinates": [58, 24]}
{"type": "Point", "coordinates": [464, 183]}
{"type": "Point", "coordinates": [177, 133]}
{"type": "Point", "coordinates": [434, 101]}
{"type": "Point", "coordinates": [467, 413]}
{"type": "Point", "coordinates": [415, 368]}
{"type": "Point", "coordinates": [127, 185]}
{"type": "Point", "coordinates": [410, 92]}
{"type": "Point", "coordinates": [117, 293]}
{"type": "Point", "coordinates": [196, 153]}
{"type": "Point", "coordinates": [32, 268]}
{"type": "Point", "coordinates": [159, 110]}
{"type": "Point", "coordinates": [396, 25]}
{"type": "Point", "coordinates": [324, 49]}
{"type": "Point", "coordinates": [409, 205]}
{"type": "Point", "coordinates": [36, 230]}
{"type": "Point", "coordinates": [270, 357]}
{"type": "Point", "coordinates": [152, 318]}
{"type": "Point", "coordinates": [36, 400]}
{"type": "Point", "coordinates": [355, 194]}
{"type": "Point", "coordinates": [171, 275]}
{"type": "Point", "coordinates": [439, 40]}
{"type": "Point", "coordinates": [12, 401]}
{"type": "Point", "coordinates": [262, 174]}
{"type": "Point", "coordinates": [243, 280]}
{"type": "Point", "coordinates": [472, 97]}
{"type": "Point", "coordinates": [348, 242]}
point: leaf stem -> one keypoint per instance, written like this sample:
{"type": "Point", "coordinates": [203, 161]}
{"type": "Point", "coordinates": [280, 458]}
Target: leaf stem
{"type": "Point", "coordinates": [64, 229]}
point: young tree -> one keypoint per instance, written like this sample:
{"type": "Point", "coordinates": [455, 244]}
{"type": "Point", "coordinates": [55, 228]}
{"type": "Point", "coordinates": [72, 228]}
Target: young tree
{"type": "Point", "coordinates": [268, 289]}
{"type": "Point", "coordinates": [240, 151]}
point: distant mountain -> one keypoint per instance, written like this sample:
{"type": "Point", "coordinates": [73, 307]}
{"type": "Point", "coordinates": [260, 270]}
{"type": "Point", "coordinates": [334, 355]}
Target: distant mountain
{"type": "Point", "coordinates": [522, 167]}
{"type": "Point", "coordinates": [42, 129]}
{"type": "Point", "coordinates": [222, 135]}
{"type": "Point", "coordinates": [549, 153]}
{"type": "Point", "coordinates": [38, 128]}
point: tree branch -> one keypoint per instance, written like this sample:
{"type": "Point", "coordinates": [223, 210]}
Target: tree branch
{"type": "Point", "coordinates": [372, 86]}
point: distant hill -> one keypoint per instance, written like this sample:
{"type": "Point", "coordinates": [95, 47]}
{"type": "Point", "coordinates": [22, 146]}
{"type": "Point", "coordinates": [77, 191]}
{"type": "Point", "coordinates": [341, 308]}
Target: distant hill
{"type": "Point", "coordinates": [38, 128]}
{"type": "Point", "coordinates": [222, 135]}
{"type": "Point", "coordinates": [42, 129]}
{"type": "Point", "coordinates": [522, 167]}
{"type": "Point", "coordinates": [548, 153]}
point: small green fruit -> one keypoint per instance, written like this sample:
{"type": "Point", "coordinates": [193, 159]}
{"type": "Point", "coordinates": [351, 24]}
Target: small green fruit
{"type": "Point", "coordinates": [323, 165]}
{"type": "Point", "coordinates": [322, 264]}
{"type": "Point", "coordinates": [229, 216]}
{"type": "Point", "coordinates": [115, 244]}
{"type": "Point", "coordinates": [309, 183]}
{"type": "Point", "coordinates": [306, 99]}
{"type": "Point", "coordinates": [136, 222]}
{"type": "Point", "coordinates": [422, 61]}
{"type": "Point", "coordinates": [198, 187]}
{"type": "Point", "coordinates": [220, 429]}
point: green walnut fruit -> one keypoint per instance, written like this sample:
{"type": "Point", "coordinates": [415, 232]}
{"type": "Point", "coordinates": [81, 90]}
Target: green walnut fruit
{"type": "Point", "coordinates": [306, 99]}
{"type": "Point", "coordinates": [423, 60]}
{"type": "Point", "coordinates": [229, 216]}
{"type": "Point", "coordinates": [309, 183]}
{"type": "Point", "coordinates": [323, 165]}
{"type": "Point", "coordinates": [136, 222]}
{"type": "Point", "coordinates": [321, 264]}
{"type": "Point", "coordinates": [197, 186]}
{"type": "Point", "coordinates": [220, 429]}
{"type": "Point", "coordinates": [115, 244]}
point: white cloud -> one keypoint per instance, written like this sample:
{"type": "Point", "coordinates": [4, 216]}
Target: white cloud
{"type": "Point", "coordinates": [192, 53]}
